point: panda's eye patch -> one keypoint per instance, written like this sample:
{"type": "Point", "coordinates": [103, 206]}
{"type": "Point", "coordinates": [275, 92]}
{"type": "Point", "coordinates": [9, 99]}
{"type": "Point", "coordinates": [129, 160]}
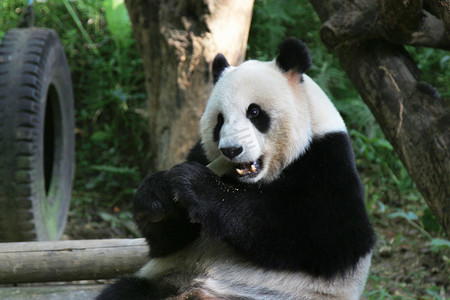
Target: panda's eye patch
{"type": "Point", "coordinates": [253, 111]}
{"type": "Point", "coordinates": [259, 117]}
{"type": "Point", "coordinates": [219, 124]}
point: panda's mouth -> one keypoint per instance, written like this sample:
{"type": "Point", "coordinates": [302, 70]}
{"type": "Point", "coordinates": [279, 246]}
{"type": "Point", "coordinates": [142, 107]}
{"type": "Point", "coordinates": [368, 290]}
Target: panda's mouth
{"type": "Point", "coordinates": [249, 169]}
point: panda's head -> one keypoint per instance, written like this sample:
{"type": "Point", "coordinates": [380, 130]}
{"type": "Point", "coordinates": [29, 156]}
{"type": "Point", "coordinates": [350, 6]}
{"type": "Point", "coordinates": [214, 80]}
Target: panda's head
{"type": "Point", "coordinates": [259, 114]}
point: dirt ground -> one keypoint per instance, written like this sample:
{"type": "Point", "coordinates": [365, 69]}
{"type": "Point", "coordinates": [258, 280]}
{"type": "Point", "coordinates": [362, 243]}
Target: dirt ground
{"type": "Point", "coordinates": [405, 267]}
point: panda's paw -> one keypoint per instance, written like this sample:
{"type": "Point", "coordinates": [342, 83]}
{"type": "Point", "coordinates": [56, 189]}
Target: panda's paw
{"type": "Point", "coordinates": [190, 182]}
{"type": "Point", "coordinates": [153, 199]}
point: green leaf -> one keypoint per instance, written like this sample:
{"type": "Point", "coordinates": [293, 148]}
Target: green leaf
{"type": "Point", "coordinates": [107, 217]}
{"type": "Point", "coordinates": [439, 244]}
{"type": "Point", "coordinates": [444, 62]}
{"type": "Point", "coordinates": [118, 22]}
{"type": "Point", "coordinates": [385, 144]}
{"type": "Point", "coordinates": [100, 136]}
{"type": "Point", "coordinates": [429, 221]}
{"type": "Point", "coordinates": [116, 170]}
{"type": "Point", "coordinates": [402, 214]}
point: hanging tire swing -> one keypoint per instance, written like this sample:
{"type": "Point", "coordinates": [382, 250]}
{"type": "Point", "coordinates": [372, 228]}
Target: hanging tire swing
{"type": "Point", "coordinates": [36, 135]}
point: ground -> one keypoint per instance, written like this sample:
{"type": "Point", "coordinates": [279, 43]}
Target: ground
{"type": "Point", "coordinates": [404, 265]}
{"type": "Point", "coordinates": [408, 274]}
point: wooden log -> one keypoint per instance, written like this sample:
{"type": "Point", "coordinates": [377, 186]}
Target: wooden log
{"type": "Point", "coordinates": [70, 260]}
{"type": "Point", "coordinates": [52, 292]}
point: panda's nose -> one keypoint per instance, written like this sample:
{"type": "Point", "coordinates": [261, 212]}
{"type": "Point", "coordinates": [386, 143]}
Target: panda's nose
{"type": "Point", "coordinates": [231, 152]}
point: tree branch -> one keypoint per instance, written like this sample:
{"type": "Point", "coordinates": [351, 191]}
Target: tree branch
{"type": "Point", "coordinates": [444, 9]}
{"type": "Point", "coordinates": [412, 116]}
{"type": "Point", "coordinates": [398, 22]}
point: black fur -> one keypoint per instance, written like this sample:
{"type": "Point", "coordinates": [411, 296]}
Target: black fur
{"type": "Point", "coordinates": [164, 223]}
{"type": "Point", "coordinates": [220, 63]}
{"type": "Point", "coordinates": [135, 288]}
{"type": "Point", "coordinates": [262, 120]}
{"type": "Point", "coordinates": [197, 154]}
{"type": "Point", "coordinates": [219, 124]}
{"type": "Point", "coordinates": [294, 55]}
{"type": "Point", "coordinates": [312, 218]}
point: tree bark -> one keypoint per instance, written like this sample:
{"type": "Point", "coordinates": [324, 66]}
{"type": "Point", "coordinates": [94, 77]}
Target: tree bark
{"type": "Point", "coordinates": [398, 22]}
{"type": "Point", "coordinates": [178, 41]}
{"type": "Point", "coordinates": [441, 8]}
{"type": "Point", "coordinates": [413, 118]}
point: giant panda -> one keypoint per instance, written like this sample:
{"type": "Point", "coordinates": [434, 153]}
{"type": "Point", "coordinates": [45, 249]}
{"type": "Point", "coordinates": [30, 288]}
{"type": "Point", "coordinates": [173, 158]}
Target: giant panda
{"type": "Point", "coordinates": [289, 223]}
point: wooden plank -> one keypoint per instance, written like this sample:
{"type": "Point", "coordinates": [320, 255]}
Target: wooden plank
{"type": "Point", "coordinates": [70, 260]}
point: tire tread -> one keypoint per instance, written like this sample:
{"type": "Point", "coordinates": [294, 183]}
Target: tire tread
{"type": "Point", "coordinates": [20, 110]}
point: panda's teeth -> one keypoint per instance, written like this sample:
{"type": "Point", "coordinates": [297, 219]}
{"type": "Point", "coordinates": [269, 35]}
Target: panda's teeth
{"type": "Point", "coordinates": [240, 172]}
{"type": "Point", "coordinates": [247, 168]}
{"type": "Point", "coordinates": [243, 171]}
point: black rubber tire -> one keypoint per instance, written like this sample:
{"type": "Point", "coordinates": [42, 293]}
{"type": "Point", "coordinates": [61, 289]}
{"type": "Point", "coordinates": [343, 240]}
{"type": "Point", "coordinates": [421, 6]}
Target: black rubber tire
{"type": "Point", "coordinates": [36, 136]}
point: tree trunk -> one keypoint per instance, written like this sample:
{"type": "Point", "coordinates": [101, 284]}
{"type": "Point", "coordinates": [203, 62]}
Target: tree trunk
{"type": "Point", "coordinates": [413, 118]}
{"type": "Point", "coordinates": [178, 41]}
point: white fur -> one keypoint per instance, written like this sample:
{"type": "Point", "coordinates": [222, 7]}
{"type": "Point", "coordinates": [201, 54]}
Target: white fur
{"type": "Point", "coordinates": [215, 267]}
{"type": "Point", "coordinates": [324, 116]}
{"type": "Point", "coordinates": [299, 110]}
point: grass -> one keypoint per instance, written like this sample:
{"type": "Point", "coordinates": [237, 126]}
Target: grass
{"type": "Point", "coordinates": [112, 141]}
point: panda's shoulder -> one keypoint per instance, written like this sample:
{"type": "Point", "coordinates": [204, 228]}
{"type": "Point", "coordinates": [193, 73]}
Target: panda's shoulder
{"type": "Point", "coordinates": [331, 145]}
{"type": "Point", "coordinates": [327, 161]}
{"type": "Point", "coordinates": [331, 148]}
{"type": "Point", "coordinates": [197, 154]}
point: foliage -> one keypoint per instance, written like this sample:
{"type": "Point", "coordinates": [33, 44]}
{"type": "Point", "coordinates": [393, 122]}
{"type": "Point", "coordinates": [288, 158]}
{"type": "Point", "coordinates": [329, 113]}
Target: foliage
{"type": "Point", "coordinates": [107, 75]}
{"type": "Point", "coordinates": [435, 67]}
{"type": "Point", "coordinates": [10, 14]}
{"type": "Point", "coordinates": [118, 22]}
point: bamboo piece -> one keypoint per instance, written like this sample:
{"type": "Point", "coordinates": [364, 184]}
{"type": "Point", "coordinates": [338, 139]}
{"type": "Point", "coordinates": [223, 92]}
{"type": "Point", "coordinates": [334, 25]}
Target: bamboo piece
{"type": "Point", "coordinates": [220, 166]}
{"type": "Point", "coordinates": [27, 262]}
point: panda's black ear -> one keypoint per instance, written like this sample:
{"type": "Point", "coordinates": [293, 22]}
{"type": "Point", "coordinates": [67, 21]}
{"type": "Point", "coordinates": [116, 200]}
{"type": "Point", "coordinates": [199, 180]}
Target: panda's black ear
{"type": "Point", "coordinates": [294, 55]}
{"type": "Point", "coordinates": [219, 64]}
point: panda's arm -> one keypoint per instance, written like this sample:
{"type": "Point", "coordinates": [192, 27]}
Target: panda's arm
{"type": "Point", "coordinates": [163, 223]}
{"type": "Point", "coordinates": [251, 217]}
{"type": "Point", "coordinates": [284, 225]}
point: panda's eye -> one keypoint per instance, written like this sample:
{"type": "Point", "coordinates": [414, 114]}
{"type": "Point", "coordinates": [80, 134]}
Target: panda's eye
{"type": "Point", "coordinates": [253, 111]}
{"type": "Point", "coordinates": [259, 117]}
